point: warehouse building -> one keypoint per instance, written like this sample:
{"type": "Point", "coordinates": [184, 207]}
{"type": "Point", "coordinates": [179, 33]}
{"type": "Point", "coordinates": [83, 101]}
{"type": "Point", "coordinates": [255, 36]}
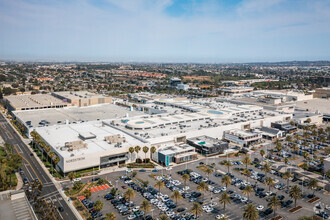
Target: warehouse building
{"type": "Point", "coordinates": [31, 102]}
{"type": "Point", "coordinates": [82, 98]}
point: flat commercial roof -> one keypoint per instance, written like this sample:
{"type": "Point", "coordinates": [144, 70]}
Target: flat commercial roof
{"type": "Point", "coordinates": [313, 105]}
{"type": "Point", "coordinates": [78, 94]}
{"type": "Point", "coordinates": [33, 101]}
{"type": "Point", "coordinates": [74, 114]}
{"type": "Point", "coordinates": [69, 133]}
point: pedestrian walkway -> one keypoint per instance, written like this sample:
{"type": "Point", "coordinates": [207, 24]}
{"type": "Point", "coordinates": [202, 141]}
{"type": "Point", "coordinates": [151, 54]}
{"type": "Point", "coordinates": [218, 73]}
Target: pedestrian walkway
{"type": "Point", "coordinates": [99, 188]}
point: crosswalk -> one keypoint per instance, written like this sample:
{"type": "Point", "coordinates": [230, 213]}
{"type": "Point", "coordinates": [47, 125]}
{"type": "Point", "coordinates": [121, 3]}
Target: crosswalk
{"type": "Point", "coordinates": [21, 209]}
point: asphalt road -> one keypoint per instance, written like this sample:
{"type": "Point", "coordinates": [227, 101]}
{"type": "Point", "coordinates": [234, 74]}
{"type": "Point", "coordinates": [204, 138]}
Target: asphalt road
{"type": "Point", "coordinates": [32, 169]}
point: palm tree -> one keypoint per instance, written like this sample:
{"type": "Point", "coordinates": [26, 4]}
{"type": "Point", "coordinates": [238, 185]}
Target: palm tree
{"type": "Point", "coordinates": [266, 168]}
{"type": "Point", "coordinates": [246, 161]}
{"type": "Point", "coordinates": [208, 171]}
{"type": "Point", "coordinates": [164, 217]}
{"type": "Point", "coordinates": [145, 150]}
{"type": "Point", "coordinates": [274, 203]}
{"type": "Point", "coordinates": [152, 150]}
{"type": "Point", "coordinates": [110, 216]}
{"type": "Point", "coordinates": [145, 206]}
{"type": "Point", "coordinates": [305, 155]}
{"type": "Point", "coordinates": [288, 138]}
{"type": "Point", "coordinates": [129, 194]}
{"type": "Point", "coordinates": [313, 184]}
{"type": "Point", "coordinates": [226, 180]}
{"type": "Point", "coordinates": [269, 182]}
{"type": "Point", "coordinates": [250, 212]}
{"type": "Point", "coordinates": [71, 176]}
{"type": "Point", "coordinates": [56, 160]}
{"type": "Point", "coordinates": [224, 199]}
{"type": "Point", "coordinates": [227, 164]}
{"type": "Point", "coordinates": [262, 153]}
{"type": "Point", "coordinates": [196, 209]}
{"type": "Point", "coordinates": [131, 151]}
{"type": "Point", "coordinates": [98, 205]}
{"type": "Point", "coordinates": [247, 172]}
{"type": "Point", "coordinates": [247, 191]}
{"type": "Point", "coordinates": [185, 177]}
{"type": "Point", "coordinates": [176, 195]}
{"type": "Point", "coordinates": [159, 184]}
{"type": "Point", "coordinates": [295, 193]}
{"type": "Point", "coordinates": [202, 187]}
{"type": "Point", "coordinates": [278, 147]}
{"type": "Point", "coordinates": [286, 160]}
{"type": "Point", "coordinates": [87, 193]}
{"type": "Point", "coordinates": [137, 150]}
{"type": "Point", "coordinates": [287, 175]}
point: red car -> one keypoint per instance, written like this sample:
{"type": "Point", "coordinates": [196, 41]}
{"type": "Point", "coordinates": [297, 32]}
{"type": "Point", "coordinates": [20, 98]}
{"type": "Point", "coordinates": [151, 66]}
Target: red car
{"type": "Point", "coordinates": [124, 187]}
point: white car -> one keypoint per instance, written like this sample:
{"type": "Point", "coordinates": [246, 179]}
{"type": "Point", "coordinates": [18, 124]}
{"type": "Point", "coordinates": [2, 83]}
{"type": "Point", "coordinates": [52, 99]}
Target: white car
{"type": "Point", "coordinates": [223, 189]}
{"type": "Point", "coordinates": [211, 188]}
{"type": "Point", "coordinates": [129, 170]}
{"type": "Point", "coordinates": [77, 179]}
{"type": "Point", "coordinates": [243, 199]}
{"type": "Point", "coordinates": [137, 208]}
{"type": "Point", "coordinates": [186, 188]}
{"type": "Point", "coordinates": [208, 210]}
{"type": "Point", "coordinates": [260, 207]}
{"type": "Point", "coordinates": [216, 191]}
{"type": "Point", "coordinates": [276, 181]}
{"type": "Point", "coordinates": [213, 204]}
{"type": "Point", "coordinates": [220, 216]}
{"type": "Point", "coordinates": [268, 193]}
{"type": "Point", "coordinates": [131, 217]}
{"type": "Point", "coordinates": [168, 168]}
{"type": "Point", "coordinates": [205, 207]}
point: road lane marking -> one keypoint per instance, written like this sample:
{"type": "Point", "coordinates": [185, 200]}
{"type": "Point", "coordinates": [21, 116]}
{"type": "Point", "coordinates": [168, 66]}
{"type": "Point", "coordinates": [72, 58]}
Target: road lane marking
{"type": "Point", "coordinates": [29, 172]}
{"type": "Point", "coordinates": [29, 164]}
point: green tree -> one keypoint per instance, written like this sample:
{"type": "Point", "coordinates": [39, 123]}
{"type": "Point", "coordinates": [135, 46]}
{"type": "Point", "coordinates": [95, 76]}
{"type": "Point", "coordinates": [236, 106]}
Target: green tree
{"type": "Point", "coordinates": [87, 193]}
{"type": "Point", "coordinates": [250, 212]}
{"type": "Point", "coordinates": [247, 191]}
{"type": "Point", "coordinates": [208, 171]}
{"type": "Point", "coordinates": [176, 195]}
{"type": "Point", "coordinates": [246, 161]}
{"type": "Point", "coordinates": [159, 184]}
{"type": "Point", "coordinates": [152, 150]}
{"type": "Point", "coordinates": [145, 150]}
{"type": "Point", "coordinates": [262, 153]}
{"type": "Point", "coordinates": [202, 187]}
{"type": "Point", "coordinates": [71, 176]}
{"type": "Point", "coordinates": [224, 200]}
{"type": "Point", "coordinates": [98, 206]}
{"type": "Point", "coordinates": [137, 150]}
{"type": "Point", "coordinates": [226, 163]}
{"type": "Point", "coordinates": [129, 194]}
{"type": "Point", "coordinates": [313, 185]}
{"type": "Point", "coordinates": [110, 216]}
{"type": "Point", "coordinates": [269, 182]}
{"type": "Point", "coordinates": [274, 203]}
{"type": "Point", "coordinates": [185, 177]}
{"type": "Point", "coordinates": [131, 151]}
{"type": "Point", "coordinates": [287, 175]}
{"type": "Point", "coordinates": [266, 168]}
{"type": "Point", "coordinates": [226, 180]}
{"type": "Point", "coordinates": [295, 193]}
{"type": "Point", "coordinates": [196, 209]}
{"type": "Point", "coordinates": [164, 217]}
{"type": "Point", "coordinates": [145, 206]}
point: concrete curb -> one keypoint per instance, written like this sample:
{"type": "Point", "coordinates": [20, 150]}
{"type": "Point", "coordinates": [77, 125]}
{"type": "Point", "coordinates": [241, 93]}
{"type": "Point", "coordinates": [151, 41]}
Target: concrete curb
{"type": "Point", "coordinates": [73, 209]}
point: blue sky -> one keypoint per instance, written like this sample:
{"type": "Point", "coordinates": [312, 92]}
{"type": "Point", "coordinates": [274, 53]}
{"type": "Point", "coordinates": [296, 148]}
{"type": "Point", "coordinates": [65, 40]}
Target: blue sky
{"type": "Point", "coordinates": [216, 31]}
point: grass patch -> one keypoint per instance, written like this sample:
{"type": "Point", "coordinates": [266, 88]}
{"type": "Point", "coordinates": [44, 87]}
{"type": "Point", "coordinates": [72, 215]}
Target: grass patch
{"type": "Point", "coordinates": [72, 191]}
{"type": "Point", "coordinates": [202, 167]}
{"type": "Point", "coordinates": [141, 165]}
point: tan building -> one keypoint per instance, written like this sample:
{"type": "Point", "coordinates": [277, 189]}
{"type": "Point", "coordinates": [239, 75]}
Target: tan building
{"type": "Point", "coordinates": [323, 93]}
{"type": "Point", "coordinates": [82, 98]}
{"type": "Point", "coordinates": [29, 102]}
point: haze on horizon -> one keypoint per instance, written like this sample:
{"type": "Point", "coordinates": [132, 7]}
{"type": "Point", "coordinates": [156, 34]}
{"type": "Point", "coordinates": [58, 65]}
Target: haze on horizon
{"type": "Point", "coordinates": [165, 30]}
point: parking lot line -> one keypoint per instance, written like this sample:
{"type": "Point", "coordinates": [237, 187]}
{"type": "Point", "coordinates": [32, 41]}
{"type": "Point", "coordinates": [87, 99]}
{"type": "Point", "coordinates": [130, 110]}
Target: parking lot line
{"type": "Point", "coordinates": [106, 186]}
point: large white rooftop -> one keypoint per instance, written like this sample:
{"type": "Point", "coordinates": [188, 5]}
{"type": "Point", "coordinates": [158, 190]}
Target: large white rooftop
{"type": "Point", "coordinates": [58, 135]}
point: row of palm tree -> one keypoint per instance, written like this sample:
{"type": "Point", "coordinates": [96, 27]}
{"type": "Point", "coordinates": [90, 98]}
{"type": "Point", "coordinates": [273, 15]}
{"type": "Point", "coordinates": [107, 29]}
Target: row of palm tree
{"type": "Point", "coordinates": [145, 149]}
{"type": "Point", "coordinates": [51, 156]}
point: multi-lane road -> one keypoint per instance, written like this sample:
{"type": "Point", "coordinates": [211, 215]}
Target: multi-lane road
{"type": "Point", "coordinates": [32, 169]}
